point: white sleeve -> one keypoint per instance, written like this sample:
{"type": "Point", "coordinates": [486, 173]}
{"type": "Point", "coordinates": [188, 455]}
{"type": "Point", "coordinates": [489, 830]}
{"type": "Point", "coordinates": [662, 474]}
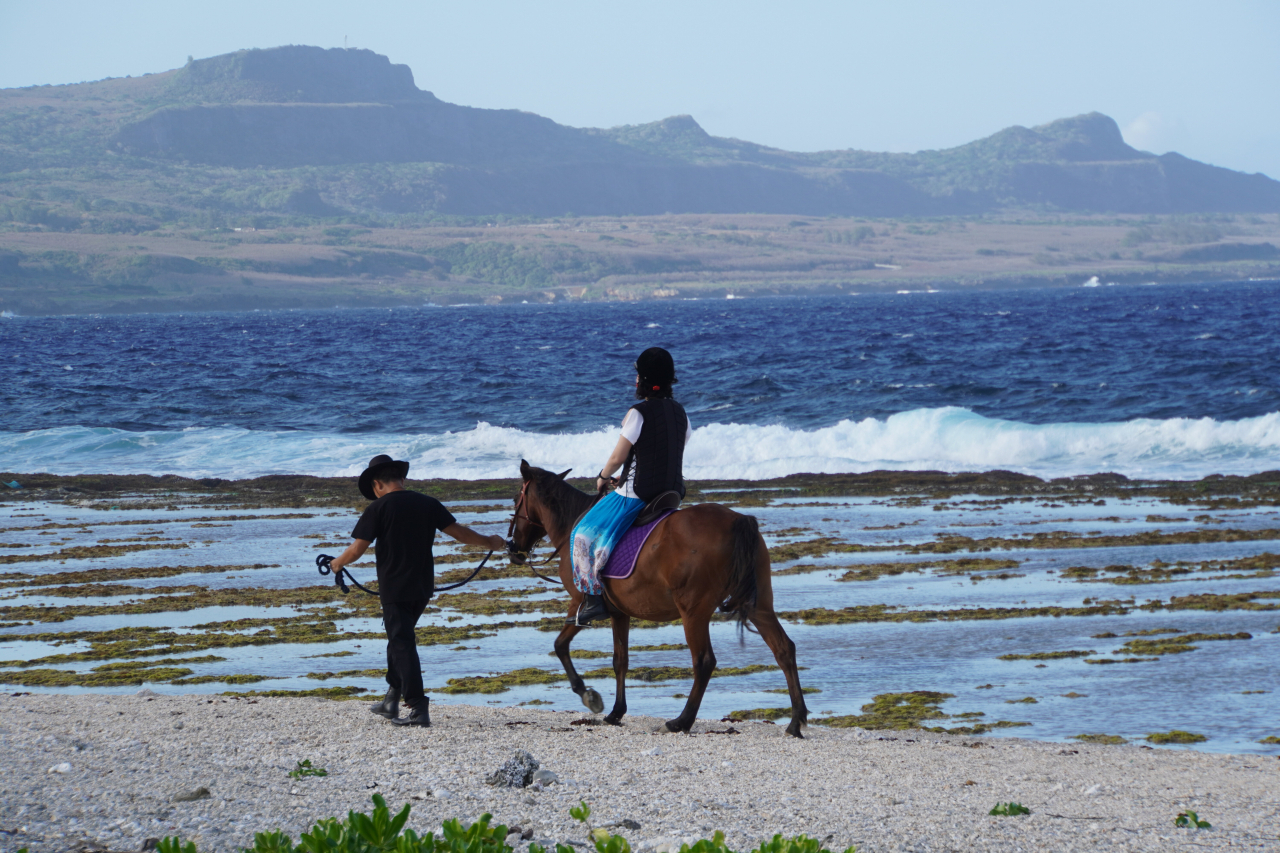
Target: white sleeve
{"type": "Point", "coordinates": [688, 430]}
{"type": "Point", "coordinates": [631, 425]}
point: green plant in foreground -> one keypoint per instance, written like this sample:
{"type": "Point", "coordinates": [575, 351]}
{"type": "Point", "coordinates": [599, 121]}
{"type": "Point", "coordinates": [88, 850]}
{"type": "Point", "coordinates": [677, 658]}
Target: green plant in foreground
{"type": "Point", "coordinates": [606, 843]}
{"type": "Point", "coordinates": [1191, 819]}
{"type": "Point", "coordinates": [1009, 809]}
{"type": "Point", "coordinates": [304, 768]}
{"type": "Point", "coordinates": [381, 832]}
{"type": "Point", "coordinates": [174, 844]}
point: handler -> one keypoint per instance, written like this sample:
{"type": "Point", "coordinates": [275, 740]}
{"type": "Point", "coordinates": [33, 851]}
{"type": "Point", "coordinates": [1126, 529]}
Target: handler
{"type": "Point", "coordinates": [651, 454]}
{"type": "Point", "coordinates": [404, 525]}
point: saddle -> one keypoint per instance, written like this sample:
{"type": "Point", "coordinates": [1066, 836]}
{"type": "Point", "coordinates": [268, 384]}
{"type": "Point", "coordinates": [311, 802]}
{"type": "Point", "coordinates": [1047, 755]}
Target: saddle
{"type": "Point", "coordinates": [665, 502]}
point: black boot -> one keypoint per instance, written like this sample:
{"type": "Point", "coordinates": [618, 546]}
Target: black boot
{"type": "Point", "coordinates": [389, 707]}
{"type": "Point", "coordinates": [591, 610]}
{"type": "Point", "coordinates": [419, 715]}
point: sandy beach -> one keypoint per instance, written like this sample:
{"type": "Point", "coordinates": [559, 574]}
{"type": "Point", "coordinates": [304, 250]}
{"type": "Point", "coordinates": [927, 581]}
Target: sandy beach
{"type": "Point", "coordinates": [98, 772]}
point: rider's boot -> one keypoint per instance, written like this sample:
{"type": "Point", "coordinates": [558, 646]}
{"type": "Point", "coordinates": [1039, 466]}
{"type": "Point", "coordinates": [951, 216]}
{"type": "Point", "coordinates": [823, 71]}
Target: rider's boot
{"type": "Point", "coordinates": [592, 609]}
{"type": "Point", "coordinates": [389, 707]}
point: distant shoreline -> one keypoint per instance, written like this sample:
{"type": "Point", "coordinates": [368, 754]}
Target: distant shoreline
{"type": "Point", "coordinates": [609, 259]}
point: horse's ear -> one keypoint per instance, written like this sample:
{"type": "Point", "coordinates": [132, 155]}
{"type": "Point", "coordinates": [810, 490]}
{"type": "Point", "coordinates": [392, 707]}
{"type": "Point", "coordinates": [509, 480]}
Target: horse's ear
{"type": "Point", "coordinates": [525, 470]}
{"type": "Point", "coordinates": [563, 474]}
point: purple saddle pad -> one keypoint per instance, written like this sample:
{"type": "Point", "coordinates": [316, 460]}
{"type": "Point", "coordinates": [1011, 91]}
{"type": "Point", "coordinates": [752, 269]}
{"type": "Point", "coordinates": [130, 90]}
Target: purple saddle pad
{"type": "Point", "coordinates": [622, 562]}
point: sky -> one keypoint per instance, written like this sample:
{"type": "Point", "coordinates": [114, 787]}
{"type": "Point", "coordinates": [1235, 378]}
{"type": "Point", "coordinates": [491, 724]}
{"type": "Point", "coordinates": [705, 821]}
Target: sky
{"type": "Point", "coordinates": [1200, 78]}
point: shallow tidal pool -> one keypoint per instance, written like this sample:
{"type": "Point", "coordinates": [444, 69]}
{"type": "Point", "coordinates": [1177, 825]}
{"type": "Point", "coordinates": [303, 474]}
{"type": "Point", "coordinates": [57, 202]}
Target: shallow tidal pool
{"type": "Point", "coordinates": [1171, 613]}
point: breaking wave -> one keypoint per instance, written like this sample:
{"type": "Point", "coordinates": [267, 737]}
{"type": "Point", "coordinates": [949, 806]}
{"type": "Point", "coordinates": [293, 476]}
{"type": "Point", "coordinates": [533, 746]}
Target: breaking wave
{"type": "Point", "coordinates": [946, 439]}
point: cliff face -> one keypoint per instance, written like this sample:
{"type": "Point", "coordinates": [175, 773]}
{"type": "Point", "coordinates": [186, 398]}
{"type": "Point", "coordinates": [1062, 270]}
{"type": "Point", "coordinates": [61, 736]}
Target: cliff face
{"type": "Point", "coordinates": [425, 131]}
{"type": "Point", "coordinates": [309, 108]}
{"type": "Point", "coordinates": [297, 74]}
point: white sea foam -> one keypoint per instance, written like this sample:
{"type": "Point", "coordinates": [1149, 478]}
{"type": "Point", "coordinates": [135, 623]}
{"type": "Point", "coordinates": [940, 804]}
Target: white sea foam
{"type": "Point", "coordinates": [947, 439]}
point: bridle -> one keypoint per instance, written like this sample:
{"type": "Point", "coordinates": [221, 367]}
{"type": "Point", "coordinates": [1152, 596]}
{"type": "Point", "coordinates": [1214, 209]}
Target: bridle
{"type": "Point", "coordinates": [512, 550]}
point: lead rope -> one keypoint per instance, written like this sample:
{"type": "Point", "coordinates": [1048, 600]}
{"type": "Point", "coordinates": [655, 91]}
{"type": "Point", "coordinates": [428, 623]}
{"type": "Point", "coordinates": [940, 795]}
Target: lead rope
{"type": "Point", "coordinates": [325, 564]}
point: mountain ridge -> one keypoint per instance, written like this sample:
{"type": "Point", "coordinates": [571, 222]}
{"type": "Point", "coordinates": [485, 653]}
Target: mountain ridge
{"type": "Point", "coordinates": [314, 117]}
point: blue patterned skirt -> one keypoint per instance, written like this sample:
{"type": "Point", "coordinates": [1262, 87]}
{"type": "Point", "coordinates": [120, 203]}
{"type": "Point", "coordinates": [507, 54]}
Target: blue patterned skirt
{"type": "Point", "coordinates": [596, 535]}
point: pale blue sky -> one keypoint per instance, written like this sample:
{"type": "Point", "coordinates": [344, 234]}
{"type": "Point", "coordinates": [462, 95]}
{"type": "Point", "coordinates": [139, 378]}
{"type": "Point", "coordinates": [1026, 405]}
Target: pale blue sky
{"type": "Point", "coordinates": [1200, 78]}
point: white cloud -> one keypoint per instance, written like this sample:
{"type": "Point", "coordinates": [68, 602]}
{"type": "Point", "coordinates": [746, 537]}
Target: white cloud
{"type": "Point", "coordinates": [1154, 132]}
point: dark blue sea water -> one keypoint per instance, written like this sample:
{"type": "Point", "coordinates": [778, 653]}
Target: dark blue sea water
{"type": "Point", "coordinates": [1177, 380]}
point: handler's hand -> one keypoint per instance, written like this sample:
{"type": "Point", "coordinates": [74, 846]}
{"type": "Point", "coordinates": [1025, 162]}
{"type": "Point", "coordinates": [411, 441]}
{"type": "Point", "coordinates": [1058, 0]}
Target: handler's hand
{"type": "Point", "coordinates": [497, 543]}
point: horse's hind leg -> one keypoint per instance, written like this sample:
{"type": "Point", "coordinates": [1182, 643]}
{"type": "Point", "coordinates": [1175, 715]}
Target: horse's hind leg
{"type": "Point", "coordinates": [784, 652]}
{"type": "Point", "coordinates": [697, 633]}
{"type": "Point", "coordinates": [621, 661]}
{"type": "Point", "coordinates": [589, 696]}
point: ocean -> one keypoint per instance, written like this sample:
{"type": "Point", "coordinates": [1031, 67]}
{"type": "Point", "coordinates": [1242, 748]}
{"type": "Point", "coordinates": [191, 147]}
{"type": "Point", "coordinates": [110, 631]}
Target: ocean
{"type": "Point", "coordinates": [1172, 381]}
{"type": "Point", "coordinates": [1013, 603]}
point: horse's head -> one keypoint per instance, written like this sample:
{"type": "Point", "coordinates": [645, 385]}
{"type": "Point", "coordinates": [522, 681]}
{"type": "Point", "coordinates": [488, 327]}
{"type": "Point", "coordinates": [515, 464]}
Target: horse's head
{"type": "Point", "coordinates": [530, 518]}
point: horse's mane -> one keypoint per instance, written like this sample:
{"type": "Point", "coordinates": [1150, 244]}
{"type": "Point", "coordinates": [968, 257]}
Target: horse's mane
{"type": "Point", "coordinates": [563, 502]}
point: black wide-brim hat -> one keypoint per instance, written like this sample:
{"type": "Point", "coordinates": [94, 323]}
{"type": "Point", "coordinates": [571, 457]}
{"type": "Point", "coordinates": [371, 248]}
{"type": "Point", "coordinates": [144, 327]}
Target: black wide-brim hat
{"type": "Point", "coordinates": [380, 465]}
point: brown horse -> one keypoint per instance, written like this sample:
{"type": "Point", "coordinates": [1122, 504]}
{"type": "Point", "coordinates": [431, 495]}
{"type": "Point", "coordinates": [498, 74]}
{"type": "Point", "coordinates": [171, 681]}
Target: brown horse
{"type": "Point", "coordinates": [696, 561]}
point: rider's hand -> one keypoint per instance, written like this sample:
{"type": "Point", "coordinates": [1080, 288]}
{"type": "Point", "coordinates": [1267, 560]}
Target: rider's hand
{"type": "Point", "coordinates": [497, 543]}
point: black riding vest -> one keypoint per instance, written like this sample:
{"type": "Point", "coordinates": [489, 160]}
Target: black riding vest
{"type": "Point", "coordinates": [658, 454]}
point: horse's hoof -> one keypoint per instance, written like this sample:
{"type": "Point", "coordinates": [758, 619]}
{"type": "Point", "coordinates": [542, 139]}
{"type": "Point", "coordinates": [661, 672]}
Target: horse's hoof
{"type": "Point", "coordinates": [593, 700]}
{"type": "Point", "coordinates": [672, 726]}
{"type": "Point", "coordinates": [613, 721]}
{"type": "Point", "coordinates": [794, 730]}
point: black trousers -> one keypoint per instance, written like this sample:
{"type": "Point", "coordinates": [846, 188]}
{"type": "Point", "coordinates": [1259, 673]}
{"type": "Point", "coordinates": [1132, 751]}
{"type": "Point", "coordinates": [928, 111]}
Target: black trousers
{"type": "Point", "coordinates": [404, 671]}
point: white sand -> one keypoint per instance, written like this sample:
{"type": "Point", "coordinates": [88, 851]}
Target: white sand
{"type": "Point", "coordinates": [878, 790]}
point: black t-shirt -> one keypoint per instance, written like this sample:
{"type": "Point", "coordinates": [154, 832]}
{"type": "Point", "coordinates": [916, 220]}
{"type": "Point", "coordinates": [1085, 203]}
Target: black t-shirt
{"type": "Point", "coordinates": [402, 525]}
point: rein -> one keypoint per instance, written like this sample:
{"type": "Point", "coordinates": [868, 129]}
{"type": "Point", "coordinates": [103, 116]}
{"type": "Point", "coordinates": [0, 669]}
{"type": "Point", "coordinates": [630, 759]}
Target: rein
{"type": "Point", "coordinates": [324, 563]}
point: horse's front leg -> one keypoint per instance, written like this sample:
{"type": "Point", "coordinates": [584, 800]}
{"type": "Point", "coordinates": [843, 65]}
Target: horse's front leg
{"type": "Point", "coordinates": [589, 695]}
{"type": "Point", "coordinates": [697, 633]}
{"type": "Point", "coordinates": [621, 661]}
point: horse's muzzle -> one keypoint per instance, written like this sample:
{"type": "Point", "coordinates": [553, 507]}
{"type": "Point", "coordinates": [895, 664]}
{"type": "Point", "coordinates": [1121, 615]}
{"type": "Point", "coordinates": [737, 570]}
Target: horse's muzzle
{"type": "Point", "coordinates": [514, 554]}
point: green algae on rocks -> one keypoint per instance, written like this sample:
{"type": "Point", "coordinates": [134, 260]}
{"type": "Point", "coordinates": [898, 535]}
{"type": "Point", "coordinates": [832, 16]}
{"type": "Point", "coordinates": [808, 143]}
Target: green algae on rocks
{"type": "Point", "coordinates": [500, 682]}
{"type": "Point", "coordinates": [890, 613]}
{"type": "Point", "coordinates": [318, 693]}
{"type": "Point", "coordinates": [348, 673]}
{"type": "Point", "coordinates": [1074, 653]}
{"type": "Point", "coordinates": [1100, 738]}
{"type": "Point", "coordinates": [1242, 568]}
{"type": "Point", "coordinates": [1176, 644]}
{"type": "Point", "coordinates": [1175, 736]}
{"type": "Point", "coordinates": [759, 714]}
{"type": "Point", "coordinates": [107, 675]}
{"type": "Point", "coordinates": [893, 711]}
{"type": "Point", "coordinates": [909, 711]}
{"type": "Point", "coordinates": [226, 679]}
{"type": "Point", "coordinates": [87, 552]}
{"type": "Point", "coordinates": [20, 579]}
{"type": "Point", "coordinates": [1270, 739]}
{"type": "Point", "coordinates": [585, 654]}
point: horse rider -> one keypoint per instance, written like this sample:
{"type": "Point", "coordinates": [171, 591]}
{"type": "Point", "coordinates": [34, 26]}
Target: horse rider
{"type": "Point", "coordinates": [650, 452]}
{"type": "Point", "coordinates": [403, 523]}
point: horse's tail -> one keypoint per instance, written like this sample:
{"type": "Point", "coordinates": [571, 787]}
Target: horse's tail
{"type": "Point", "coordinates": [740, 597]}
